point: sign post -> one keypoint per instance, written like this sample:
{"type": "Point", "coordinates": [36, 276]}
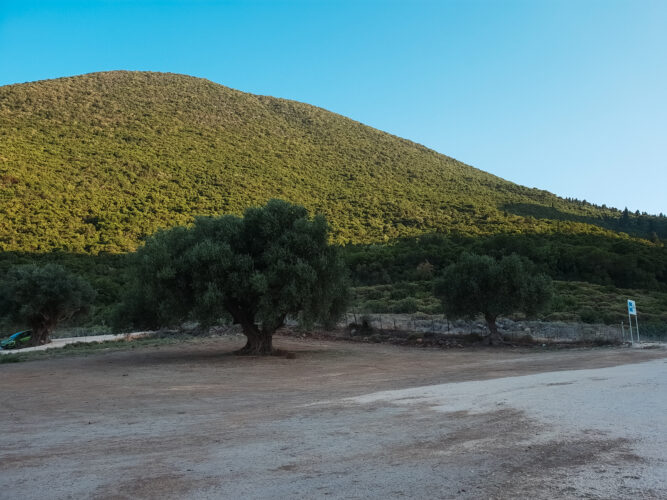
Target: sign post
{"type": "Point", "coordinates": [632, 311]}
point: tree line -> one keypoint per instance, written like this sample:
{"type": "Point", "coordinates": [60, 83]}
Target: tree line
{"type": "Point", "coordinates": [619, 262]}
{"type": "Point", "coordinates": [257, 270]}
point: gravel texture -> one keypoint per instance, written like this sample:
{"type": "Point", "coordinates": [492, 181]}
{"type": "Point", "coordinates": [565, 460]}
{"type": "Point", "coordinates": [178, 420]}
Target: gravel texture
{"type": "Point", "coordinates": [341, 420]}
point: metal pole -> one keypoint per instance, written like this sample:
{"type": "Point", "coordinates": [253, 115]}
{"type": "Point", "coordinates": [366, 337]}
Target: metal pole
{"type": "Point", "coordinates": [632, 341]}
{"type": "Point", "coordinates": [622, 331]}
{"type": "Point", "coordinates": [637, 325]}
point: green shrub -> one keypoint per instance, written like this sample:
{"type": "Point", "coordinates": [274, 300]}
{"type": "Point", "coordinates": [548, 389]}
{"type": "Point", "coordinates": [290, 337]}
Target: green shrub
{"type": "Point", "coordinates": [405, 306]}
{"type": "Point", "coordinates": [588, 315]}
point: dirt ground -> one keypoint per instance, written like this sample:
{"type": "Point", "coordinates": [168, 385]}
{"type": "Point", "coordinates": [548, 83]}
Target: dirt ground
{"type": "Point", "coordinates": [342, 420]}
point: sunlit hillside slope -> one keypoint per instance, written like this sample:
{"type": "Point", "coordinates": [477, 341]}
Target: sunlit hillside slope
{"type": "Point", "coordinates": [96, 162]}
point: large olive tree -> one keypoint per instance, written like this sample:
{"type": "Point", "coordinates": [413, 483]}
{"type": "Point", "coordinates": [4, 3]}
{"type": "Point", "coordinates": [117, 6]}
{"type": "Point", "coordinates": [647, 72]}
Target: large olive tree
{"type": "Point", "coordinates": [42, 297]}
{"type": "Point", "coordinates": [480, 284]}
{"type": "Point", "coordinates": [272, 263]}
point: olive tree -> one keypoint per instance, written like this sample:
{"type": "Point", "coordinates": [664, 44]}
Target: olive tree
{"type": "Point", "coordinates": [480, 284]}
{"type": "Point", "coordinates": [272, 263]}
{"type": "Point", "coordinates": [42, 297]}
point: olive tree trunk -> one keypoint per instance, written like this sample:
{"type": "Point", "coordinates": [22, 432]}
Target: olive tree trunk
{"type": "Point", "coordinates": [259, 340]}
{"type": "Point", "coordinates": [494, 337]}
{"type": "Point", "coordinates": [41, 332]}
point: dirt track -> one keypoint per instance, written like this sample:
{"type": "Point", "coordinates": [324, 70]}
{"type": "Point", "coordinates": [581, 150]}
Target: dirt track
{"type": "Point", "coordinates": [197, 422]}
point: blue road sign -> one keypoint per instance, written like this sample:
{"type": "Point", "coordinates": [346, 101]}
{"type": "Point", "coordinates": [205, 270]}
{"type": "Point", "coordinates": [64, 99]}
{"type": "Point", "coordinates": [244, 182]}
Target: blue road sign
{"type": "Point", "coordinates": [632, 308]}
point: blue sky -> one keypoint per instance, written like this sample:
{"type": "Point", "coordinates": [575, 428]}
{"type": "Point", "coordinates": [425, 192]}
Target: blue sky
{"type": "Point", "coordinates": [568, 96]}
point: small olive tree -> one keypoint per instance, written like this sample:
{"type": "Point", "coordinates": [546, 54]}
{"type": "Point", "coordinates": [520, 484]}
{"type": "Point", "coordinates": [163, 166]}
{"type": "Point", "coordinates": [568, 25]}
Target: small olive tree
{"type": "Point", "coordinates": [272, 263]}
{"type": "Point", "coordinates": [42, 297]}
{"type": "Point", "coordinates": [480, 284]}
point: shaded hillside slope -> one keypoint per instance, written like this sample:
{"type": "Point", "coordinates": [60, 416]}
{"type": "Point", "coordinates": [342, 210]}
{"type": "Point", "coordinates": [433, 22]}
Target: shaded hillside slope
{"type": "Point", "coordinates": [96, 162]}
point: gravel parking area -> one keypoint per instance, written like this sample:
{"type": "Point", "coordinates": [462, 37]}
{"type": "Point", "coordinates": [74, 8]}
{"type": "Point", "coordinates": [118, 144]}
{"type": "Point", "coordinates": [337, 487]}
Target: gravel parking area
{"type": "Point", "coordinates": [342, 420]}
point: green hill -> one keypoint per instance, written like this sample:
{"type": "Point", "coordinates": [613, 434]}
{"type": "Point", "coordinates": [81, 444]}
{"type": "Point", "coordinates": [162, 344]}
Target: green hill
{"type": "Point", "coordinates": [94, 163]}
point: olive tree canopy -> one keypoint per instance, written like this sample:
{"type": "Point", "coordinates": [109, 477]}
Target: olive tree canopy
{"type": "Point", "coordinates": [41, 297]}
{"type": "Point", "coordinates": [272, 263]}
{"type": "Point", "coordinates": [480, 284]}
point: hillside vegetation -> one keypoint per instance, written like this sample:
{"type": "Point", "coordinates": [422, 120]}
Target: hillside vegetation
{"type": "Point", "coordinates": [91, 165]}
{"type": "Point", "coordinates": [595, 275]}
{"type": "Point", "coordinates": [94, 163]}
